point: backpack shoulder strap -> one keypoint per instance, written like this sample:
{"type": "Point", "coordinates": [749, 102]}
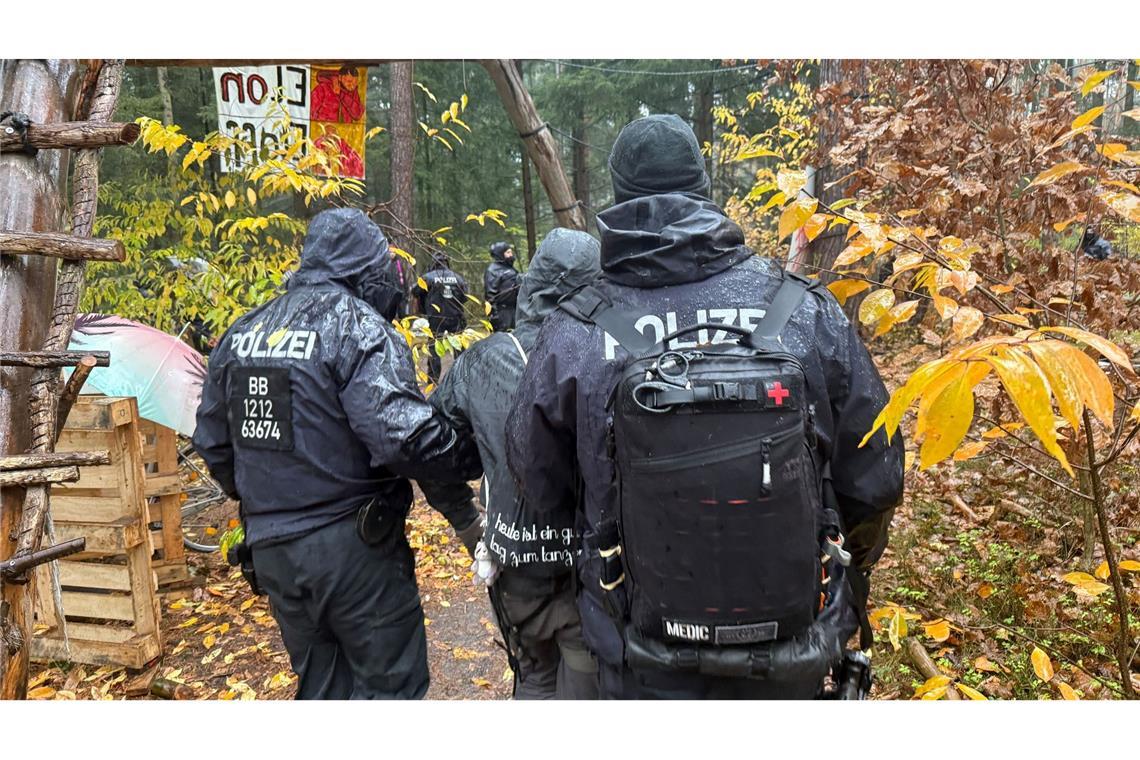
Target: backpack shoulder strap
{"type": "Point", "coordinates": [588, 304]}
{"type": "Point", "coordinates": [788, 298]}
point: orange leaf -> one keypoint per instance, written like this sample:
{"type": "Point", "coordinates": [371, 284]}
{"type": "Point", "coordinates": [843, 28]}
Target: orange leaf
{"type": "Point", "coordinates": [844, 289]}
{"type": "Point", "coordinates": [1052, 174]}
{"type": "Point", "coordinates": [1067, 691]}
{"type": "Point", "coordinates": [966, 322]}
{"type": "Point", "coordinates": [795, 215]}
{"type": "Point", "coordinates": [939, 630]}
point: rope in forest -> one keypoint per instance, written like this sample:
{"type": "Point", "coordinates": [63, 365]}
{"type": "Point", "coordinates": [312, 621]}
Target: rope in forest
{"type": "Point", "coordinates": [607, 70]}
{"type": "Point", "coordinates": [569, 136]}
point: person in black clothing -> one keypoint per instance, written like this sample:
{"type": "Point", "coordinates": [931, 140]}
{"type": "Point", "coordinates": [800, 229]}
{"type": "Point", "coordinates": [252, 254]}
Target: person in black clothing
{"type": "Point", "coordinates": [311, 418]}
{"type": "Point", "coordinates": [529, 576]}
{"type": "Point", "coordinates": [442, 303]}
{"type": "Point", "coordinates": [671, 259]}
{"type": "Point", "coordinates": [1094, 246]}
{"type": "Point", "coordinates": [501, 286]}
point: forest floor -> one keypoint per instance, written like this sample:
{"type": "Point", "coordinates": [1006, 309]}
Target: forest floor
{"type": "Point", "coordinates": [977, 577]}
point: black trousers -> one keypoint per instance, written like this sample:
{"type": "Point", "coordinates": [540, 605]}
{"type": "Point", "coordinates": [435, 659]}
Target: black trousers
{"type": "Point", "coordinates": [546, 632]}
{"type": "Point", "coordinates": [349, 613]}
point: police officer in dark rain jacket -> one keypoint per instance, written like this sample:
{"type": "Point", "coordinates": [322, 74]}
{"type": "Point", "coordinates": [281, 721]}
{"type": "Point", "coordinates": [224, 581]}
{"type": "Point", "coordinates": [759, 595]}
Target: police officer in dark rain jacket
{"type": "Point", "coordinates": [312, 419]}
{"type": "Point", "coordinates": [501, 286]}
{"type": "Point", "coordinates": [442, 304]}
{"type": "Point", "coordinates": [672, 259]}
{"type": "Point", "coordinates": [527, 566]}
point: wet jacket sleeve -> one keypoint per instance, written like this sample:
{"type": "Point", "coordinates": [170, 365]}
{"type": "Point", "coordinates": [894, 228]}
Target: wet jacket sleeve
{"type": "Point", "coordinates": [868, 481]}
{"type": "Point", "coordinates": [541, 432]}
{"type": "Point", "coordinates": [455, 501]}
{"type": "Point", "coordinates": [387, 412]}
{"type": "Point", "coordinates": [490, 285]}
{"type": "Point", "coordinates": [212, 434]}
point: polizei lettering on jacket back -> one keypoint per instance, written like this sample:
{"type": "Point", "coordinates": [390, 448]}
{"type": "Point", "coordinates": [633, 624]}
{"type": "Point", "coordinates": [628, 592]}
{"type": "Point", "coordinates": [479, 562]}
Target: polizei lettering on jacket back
{"type": "Point", "coordinates": [260, 343]}
{"type": "Point", "coordinates": [657, 327]}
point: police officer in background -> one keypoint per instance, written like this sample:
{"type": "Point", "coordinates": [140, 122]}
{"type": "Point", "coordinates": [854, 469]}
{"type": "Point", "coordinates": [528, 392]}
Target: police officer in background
{"type": "Point", "coordinates": [312, 419]}
{"type": "Point", "coordinates": [527, 568]}
{"type": "Point", "coordinates": [501, 286]}
{"type": "Point", "coordinates": [443, 304]}
{"type": "Point", "coordinates": [672, 259]}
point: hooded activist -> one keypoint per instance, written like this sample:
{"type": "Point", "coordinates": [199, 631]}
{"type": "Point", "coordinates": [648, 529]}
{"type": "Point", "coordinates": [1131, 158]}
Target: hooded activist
{"type": "Point", "coordinates": [700, 413]}
{"type": "Point", "coordinates": [501, 286]}
{"type": "Point", "coordinates": [527, 567]}
{"type": "Point", "coordinates": [311, 418]}
{"type": "Point", "coordinates": [442, 302]}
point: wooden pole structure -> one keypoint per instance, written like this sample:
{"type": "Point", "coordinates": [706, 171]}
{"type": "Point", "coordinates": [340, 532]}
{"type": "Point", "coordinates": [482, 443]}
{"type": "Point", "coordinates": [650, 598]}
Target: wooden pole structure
{"type": "Point", "coordinates": [540, 145]}
{"type": "Point", "coordinates": [72, 134]}
{"type": "Point", "coordinates": [32, 189]}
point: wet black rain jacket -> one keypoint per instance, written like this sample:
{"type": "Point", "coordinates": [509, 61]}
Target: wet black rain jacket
{"type": "Point", "coordinates": [311, 407]}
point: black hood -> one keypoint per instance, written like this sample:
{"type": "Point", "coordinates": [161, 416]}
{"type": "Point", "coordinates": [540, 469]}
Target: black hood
{"type": "Point", "coordinates": [667, 239]}
{"type": "Point", "coordinates": [498, 253]}
{"type": "Point", "coordinates": [657, 154]}
{"type": "Point", "coordinates": [344, 247]}
{"type": "Point", "coordinates": [566, 260]}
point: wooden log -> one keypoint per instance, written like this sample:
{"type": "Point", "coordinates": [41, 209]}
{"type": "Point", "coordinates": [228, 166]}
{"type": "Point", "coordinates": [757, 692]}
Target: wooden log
{"type": "Point", "coordinates": [71, 391]}
{"type": "Point", "coordinates": [539, 143]}
{"type": "Point", "coordinates": [39, 477]}
{"type": "Point", "coordinates": [54, 459]}
{"type": "Point", "coordinates": [61, 246]}
{"type": "Point", "coordinates": [69, 134]}
{"type": "Point", "coordinates": [922, 662]}
{"type": "Point", "coordinates": [167, 689]}
{"type": "Point", "coordinates": [50, 359]}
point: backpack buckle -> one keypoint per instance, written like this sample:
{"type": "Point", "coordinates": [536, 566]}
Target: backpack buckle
{"type": "Point", "coordinates": [687, 659]}
{"type": "Point", "coordinates": [833, 549]}
{"type": "Point", "coordinates": [613, 575]}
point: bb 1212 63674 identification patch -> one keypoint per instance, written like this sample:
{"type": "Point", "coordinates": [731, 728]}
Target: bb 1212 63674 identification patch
{"type": "Point", "coordinates": [261, 408]}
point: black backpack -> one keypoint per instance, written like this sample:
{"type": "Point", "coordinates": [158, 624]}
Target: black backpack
{"type": "Point", "coordinates": [716, 540]}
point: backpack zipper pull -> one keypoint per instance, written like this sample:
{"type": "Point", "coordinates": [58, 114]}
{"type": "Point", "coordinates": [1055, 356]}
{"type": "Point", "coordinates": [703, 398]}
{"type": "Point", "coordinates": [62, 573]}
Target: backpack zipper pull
{"type": "Point", "coordinates": [766, 461]}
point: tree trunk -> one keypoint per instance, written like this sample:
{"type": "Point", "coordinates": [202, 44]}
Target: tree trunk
{"type": "Point", "coordinates": [402, 123]}
{"type": "Point", "coordinates": [528, 207]}
{"type": "Point", "coordinates": [703, 124]}
{"type": "Point", "coordinates": [540, 146]}
{"type": "Point", "coordinates": [164, 93]}
{"type": "Point", "coordinates": [581, 160]}
{"type": "Point", "coordinates": [825, 248]}
{"type": "Point", "coordinates": [33, 193]}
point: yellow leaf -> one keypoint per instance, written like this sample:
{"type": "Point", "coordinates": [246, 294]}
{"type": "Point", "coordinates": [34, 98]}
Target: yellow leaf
{"type": "Point", "coordinates": [231, 199]}
{"type": "Point", "coordinates": [970, 450]}
{"type": "Point", "coordinates": [939, 630]}
{"type": "Point", "coordinates": [897, 628]}
{"type": "Point", "coordinates": [1002, 430]}
{"type": "Point", "coordinates": [1101, 571]}
{"type": "Point", "coordinates": [999, 289]}
{"type": "Point", "coordinates": [795, 215]}
{"type": "Point", "coordinates": [247, 604]}
{"type": "Point", "coordinates": [251, 196]}
{"type": "Point", "coordinates": [1014, 319]}
{"type": "Point", "coordinates": [1129, 565]}
{"type": "Point", "coordinates": [1026, 385]}
{"type": "Point", "coordinates": [891, 415]}
{"type": "Point", "coordinates": [1088, 117]}
{"type": "Point", "coordinates": [971, 693]}
{"type": "Point", "coordinates": [1077, 578]}
{"type": "Point", "coordinates": [1094, 79]}
{"type": "Point", "coordinates": [907, 261]}
{"type": "Point", "coordinates": [1042, 665]}
{"type": "Point", "coordinates": [844, 289]}
{"type": "Point", "coordinates": [777, 199]}
{"type": "Point", "coordinates": [1067, 691]}
{"type": "Point", "coordinates": [209, 641]}
{"type": "Point", "coordinates": [1051, 175]}
{"type": "Point", "coordinates": [790, 182]}
{"type": "Point", "coordinates": [1060, 226]}
{"type": "Point", "coordinates": [967, 321]}
{"type": "Point", "coordinates": [984, 664]}
{"type": "Point", "coordinates": [897, 315]}
{"type": "Point", "coordinates": [934, 687]}
{"type": "Point", "coordinates": [1124, 204]}
{"type": "Point", "coordinates": [855, 251]}
{"type": "Point", "coordinates": [421, 284]}
{"type": "Point", "coordinates": [1066, 386]}
{"type": "Point", "coordinates": [43, 692]}
{"type": "Point", "coordinates": [875, 305]}
{"type": "Point", "coordinates": [948, 419]}
{"type": "Point", "coordinates": [1093, 385]}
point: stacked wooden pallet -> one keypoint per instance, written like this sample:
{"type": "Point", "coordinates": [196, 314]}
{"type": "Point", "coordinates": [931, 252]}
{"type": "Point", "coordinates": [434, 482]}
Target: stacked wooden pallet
{"type": "Point", "coordinates": [110, 589]}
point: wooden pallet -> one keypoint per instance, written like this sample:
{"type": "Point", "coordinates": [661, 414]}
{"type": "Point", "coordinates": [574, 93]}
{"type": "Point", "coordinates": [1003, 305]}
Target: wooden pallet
{"type": "Point", "coordinates": [163, 491]}
{"type": "Point", "coordinates": [109, 590]}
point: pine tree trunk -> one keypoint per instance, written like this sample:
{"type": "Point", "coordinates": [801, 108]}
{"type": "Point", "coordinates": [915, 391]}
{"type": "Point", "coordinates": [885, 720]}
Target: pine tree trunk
{"type": "Point", "coordinates": [825, 248]}
{"type": "Point", "coordinates": [528, 207]}
{"type": "Point", "coordinates": [402, 122]}
{"type": "Point", "coordinates": [32, 190]}
{"type": "Point", "coordinates": [581, 160]}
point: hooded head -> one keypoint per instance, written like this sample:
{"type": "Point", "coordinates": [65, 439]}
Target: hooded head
{"type": "Point", "coordinates": [566, 260]}
{"type": "Point", "coordinates": [656, 155]}
{"type": "Point", "coordinates": [440, 260]}
{"type": "Point", "coordinates": [503, 253]}
{"type": "Point", "coordinates": [344, 247]}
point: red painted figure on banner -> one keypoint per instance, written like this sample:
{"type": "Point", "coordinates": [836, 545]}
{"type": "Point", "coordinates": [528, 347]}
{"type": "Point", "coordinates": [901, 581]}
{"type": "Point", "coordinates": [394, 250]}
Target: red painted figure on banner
{"type": "Point", "coordinates": [351, 164]}
{"type": "Point", "coordinates": [336, 98]}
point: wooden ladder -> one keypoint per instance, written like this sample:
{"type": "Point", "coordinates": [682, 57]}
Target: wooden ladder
{"type": "Point", "coordinates": [50, 404]}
